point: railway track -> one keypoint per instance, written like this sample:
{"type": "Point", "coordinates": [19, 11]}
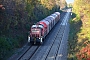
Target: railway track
{"type": "Point", "coordinates": [28, 53]}
{"type": "Point", "coordinates": [50, 49]}
{"type": "Point", "coordinates": [32, 50]}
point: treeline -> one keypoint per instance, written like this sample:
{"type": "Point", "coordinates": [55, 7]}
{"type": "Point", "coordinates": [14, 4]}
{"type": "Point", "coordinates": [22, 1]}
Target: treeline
{"type": "Point", "coordinates": [80, 46]}
{"type": "Point", "coordinates": [18, 16]}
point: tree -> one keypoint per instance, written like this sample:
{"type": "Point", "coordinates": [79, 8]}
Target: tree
{"type": "Point", "coordinates": [82, 10]}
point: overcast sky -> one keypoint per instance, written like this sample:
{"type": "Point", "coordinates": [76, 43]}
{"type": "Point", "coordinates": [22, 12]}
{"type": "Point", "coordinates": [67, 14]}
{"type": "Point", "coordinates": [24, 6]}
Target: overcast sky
{"type": "Point", "coordinates": [69, 1]}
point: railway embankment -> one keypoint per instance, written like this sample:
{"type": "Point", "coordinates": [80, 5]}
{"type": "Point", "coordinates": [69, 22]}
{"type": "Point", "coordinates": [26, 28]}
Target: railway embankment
{"type": "Point", "coordinates": [54, 46]}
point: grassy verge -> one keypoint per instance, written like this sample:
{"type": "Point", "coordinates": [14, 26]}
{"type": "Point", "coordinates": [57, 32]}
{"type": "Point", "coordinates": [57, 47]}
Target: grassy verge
{"type": "Point", "coordinates": [75, 28]}
{"type": "Point", "coordinates": [8, 46]}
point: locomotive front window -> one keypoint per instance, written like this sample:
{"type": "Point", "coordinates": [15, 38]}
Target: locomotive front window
{"type": "Point", "coordinates": [35, 30]}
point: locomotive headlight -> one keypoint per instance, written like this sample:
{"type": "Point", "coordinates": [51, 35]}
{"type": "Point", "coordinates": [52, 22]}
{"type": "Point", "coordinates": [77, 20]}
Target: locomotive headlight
{"type": "Point", "coordinates": [28, 38]}
{"type": "Point", "coordinates": [39, 38]}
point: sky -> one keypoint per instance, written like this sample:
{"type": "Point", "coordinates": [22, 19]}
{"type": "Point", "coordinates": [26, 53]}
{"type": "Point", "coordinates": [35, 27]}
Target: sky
{"type": "Point", "coordinates": [69, 1]}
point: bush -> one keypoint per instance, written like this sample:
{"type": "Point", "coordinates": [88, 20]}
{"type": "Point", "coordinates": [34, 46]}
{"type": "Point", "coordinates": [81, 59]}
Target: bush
{"type": "Point", "coordinates": [4, 47]}
{"type": "Point", "coordinates": [21, 40]}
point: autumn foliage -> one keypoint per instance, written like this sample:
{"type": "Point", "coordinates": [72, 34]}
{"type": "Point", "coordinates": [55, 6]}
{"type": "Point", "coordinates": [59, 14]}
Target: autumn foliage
{"type": "Point", "coordinates": [84, 53]}
{"type": "Point", "coordinates": [79, 41]}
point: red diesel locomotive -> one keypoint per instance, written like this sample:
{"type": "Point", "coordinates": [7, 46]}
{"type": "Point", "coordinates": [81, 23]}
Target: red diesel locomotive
{"type": "Point", "coordinates": [39, 31]}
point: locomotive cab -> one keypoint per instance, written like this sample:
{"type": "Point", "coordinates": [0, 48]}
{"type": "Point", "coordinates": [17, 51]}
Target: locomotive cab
{"type": "Point", "coordinates": [36, 34]}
